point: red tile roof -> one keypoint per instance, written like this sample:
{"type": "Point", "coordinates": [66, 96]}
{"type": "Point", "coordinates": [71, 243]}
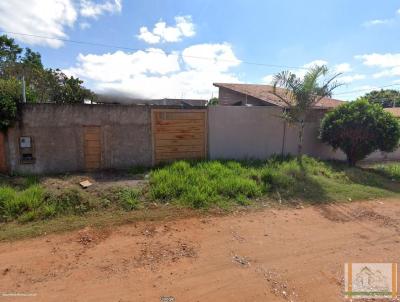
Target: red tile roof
{"type": "Point", "coordinates": [264, 93]}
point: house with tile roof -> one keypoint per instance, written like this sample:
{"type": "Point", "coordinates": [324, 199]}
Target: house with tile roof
{"type": "Point", "coordinates": [259, 95]}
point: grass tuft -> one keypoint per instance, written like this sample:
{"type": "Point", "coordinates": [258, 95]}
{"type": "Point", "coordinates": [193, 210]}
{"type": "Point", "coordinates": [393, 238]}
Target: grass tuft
{"type": "Point", "coordinates": [129, 199]}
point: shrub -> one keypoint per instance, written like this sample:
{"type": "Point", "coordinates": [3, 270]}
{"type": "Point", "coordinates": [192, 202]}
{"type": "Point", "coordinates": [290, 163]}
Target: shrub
{"type": "Point", "coordinates": [70, 201]}
{"type": "Point", "coordinates": [129, 199]}
{"type": "Point", "coordinates": [359, 128]}
{"type": "Point", "coordinates": [15, 203]}
{"type": "Point", "coordinates": [10, 96]}
{"type": "Point", "coordinates": [10, 93]}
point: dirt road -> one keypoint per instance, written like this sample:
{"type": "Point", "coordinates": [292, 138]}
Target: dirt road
{"type": "Point", "coordinates": [269, 255]}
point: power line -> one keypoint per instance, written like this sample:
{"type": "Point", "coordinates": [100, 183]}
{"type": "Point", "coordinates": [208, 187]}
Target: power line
{"type": "Point", "coordinates": [161, 51]}
{"type": "Point", "coordinates": [360, 90]}
{"type": "Point", "coordinates": [185, 56]}
{"type": "Point", "coordinates": [153, 51]}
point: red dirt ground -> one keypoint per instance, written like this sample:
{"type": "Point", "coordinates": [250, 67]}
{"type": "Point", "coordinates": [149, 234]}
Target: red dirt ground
{"type": "Point", "coordinates": [269, 255]}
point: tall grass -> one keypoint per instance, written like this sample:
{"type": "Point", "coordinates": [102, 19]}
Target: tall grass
{"type": "Point", "coordinates": [129, 199]}
{"type": "Point", "coordinates": [205, 184]}
{"type": "Point", "coordinates": [391, 170]}
{"type": "Point", "coordinates": [201, 184]}
{"type": "Point", "coordinates": [208, 183]}
{"type": "Point", "coordinates": [14, 203]}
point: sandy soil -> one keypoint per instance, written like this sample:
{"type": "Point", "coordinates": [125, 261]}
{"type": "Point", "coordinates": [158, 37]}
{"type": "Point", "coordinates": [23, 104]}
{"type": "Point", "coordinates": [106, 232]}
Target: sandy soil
{"type": "Point", "coordinates": [269, 255]}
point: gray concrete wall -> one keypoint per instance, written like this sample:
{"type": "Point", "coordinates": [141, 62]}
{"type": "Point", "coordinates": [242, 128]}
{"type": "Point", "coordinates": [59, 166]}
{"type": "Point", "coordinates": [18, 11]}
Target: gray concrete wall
{"type": "Point", "coordinates": [237, 132]}
{"type": "Point", "coordinates": [57, 132]}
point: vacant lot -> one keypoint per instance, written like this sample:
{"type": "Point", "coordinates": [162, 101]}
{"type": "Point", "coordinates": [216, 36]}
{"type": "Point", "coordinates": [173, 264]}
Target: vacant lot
{"type": "Point", "coordinates": [264, 255]}
{"type": "Point", "coordinates": [30, 206]}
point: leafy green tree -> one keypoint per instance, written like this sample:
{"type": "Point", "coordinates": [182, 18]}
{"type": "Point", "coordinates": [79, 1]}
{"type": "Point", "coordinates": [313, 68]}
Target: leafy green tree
{"type": "Point", "coordinates": [385, 97]}
{"type": "Point", "coordinates": [48, 85]}
{"type": "Point", "coordinates": [56, 87]}
{"type": "Point", "coordinates": [359, 128]}
{"type": "Point", "coordinates": [9, 53]}
{"type": "Point", "coordinates": [300, 95]}
{"type": "Point", "coordinates": [213, 101]}
{"type": "Point", "coordinates": [9, 50]}
{"type": "Point", "coordinates": [32, 59]}
{"type": "Point", "coordinates": [10, 96]}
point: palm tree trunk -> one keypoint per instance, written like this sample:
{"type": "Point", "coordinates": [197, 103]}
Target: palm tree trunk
{"type": "Point", "coordinates": [300, 142]}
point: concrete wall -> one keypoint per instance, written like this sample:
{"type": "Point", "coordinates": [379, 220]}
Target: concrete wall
{"type": "Point", "coordinates": [57, 132]}
{"type": "Point", "coordinates": [234, 132]}
{"type": "Point", "coordinates": [237, 132]}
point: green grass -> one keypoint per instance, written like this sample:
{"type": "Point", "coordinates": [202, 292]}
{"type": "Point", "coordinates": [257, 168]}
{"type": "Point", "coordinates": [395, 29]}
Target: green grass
{"type": "Point", "coordinates": [129, 199]}
{"type": "Point", "coordinates": [221, 183]}
{"type": "Point", "coordinates": [391, 170]}
{"type": "Point", "coordinates": [202, 184]}
{"type": "Point", "coordinates": [34, 202]}
{"type": "Point", "coordinates": [27, 208]}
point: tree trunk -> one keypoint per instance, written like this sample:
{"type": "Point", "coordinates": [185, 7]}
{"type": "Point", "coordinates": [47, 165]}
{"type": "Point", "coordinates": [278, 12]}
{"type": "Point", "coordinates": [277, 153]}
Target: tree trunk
{"type": "Point", "coordinates": [300, 142]}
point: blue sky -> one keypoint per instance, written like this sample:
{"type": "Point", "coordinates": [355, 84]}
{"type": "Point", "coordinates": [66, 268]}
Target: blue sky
{"type": "Point", "coordinates": [188, 45]}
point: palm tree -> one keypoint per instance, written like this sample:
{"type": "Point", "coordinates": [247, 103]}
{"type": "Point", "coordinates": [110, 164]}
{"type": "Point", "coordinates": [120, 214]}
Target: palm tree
{"type": "Point", "coordinates": [300, 95]}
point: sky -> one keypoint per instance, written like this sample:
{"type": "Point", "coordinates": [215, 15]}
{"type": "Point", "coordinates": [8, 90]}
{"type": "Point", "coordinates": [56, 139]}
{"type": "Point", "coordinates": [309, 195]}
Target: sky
{"type": "Point", "coordinates": [178, 48]}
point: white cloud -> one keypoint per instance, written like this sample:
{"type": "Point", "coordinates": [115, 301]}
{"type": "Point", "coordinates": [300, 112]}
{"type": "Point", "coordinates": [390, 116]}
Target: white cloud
{"type": "Point", "coordinates": [155, 74]}
{"type": "Point", "coordinates": [315, 63]}
{"type": "Point", "coordinates": [118, 66]}
{"type": "Point", "coordinates": [343, 67]}
{"type": "Point", "coordinates": [84, 25]}
{"type": "Point", "coordinates": [161, 32]}
{"type": "Point", "coordinates": [268, 79]}
{"type": "Point", "coordinates": [299, 72]}
{"type": "Point", "coordinates": [350, 78]}
{"type": "Point", "coordinates": [148, 36]}
{"type": "Point", "coordinates": [339, 68]}
{"type": "Point", "coordinates": [377, 22]}
{"type": "Point", "coordinates": [380, 60]}
{"type": "Point", "coordinates": [355, 92]}
{"type": "Point", "coordinates": [398, 11]}
{"type": "Point", "coordinates": [392, 72]}
{"type": "Point", "coordinates": [219, 57]}
{"type": "Point", "coordinates": [91, 9]}
{"type": "Point", "coordinates": [388, 62]}
{"type": "Point", "coordinates": [47, 18]}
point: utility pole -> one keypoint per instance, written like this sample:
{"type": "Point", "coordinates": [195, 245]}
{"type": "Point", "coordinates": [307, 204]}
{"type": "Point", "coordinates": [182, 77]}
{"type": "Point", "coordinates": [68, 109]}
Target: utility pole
{"type": "Point", "coordinates": [23, 90]}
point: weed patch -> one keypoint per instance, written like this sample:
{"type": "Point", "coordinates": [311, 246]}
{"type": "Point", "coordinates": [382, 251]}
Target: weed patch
{"type": "Point", "coordinates": [223, 183]}
{"type": "Point", "coordinates": [391, 170]}
{"type": "Point", "coordinates": [203, 184]}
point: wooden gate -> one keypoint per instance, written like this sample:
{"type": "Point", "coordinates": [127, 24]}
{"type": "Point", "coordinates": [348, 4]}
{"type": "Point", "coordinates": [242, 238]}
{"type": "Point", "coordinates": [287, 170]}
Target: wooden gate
{"type": "Point", "coordinates": [92, 144]}
{"type": "Point", "coordinates": [179, 134]}
{"type": "Point", "coordinates": [3, 163]}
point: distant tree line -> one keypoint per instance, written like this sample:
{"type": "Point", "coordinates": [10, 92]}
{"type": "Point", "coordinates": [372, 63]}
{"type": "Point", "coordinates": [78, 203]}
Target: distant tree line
{"type": "Point", "coordinates": [384, 97]}
{"type": "Point", "coordinates": [42, 85]}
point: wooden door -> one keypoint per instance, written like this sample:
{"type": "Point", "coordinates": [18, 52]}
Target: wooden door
{"type": "Point", "coordinates": [179, 134]}
{"type": "Point", "coordinates": [3, 163]}
{"type": "Point", "coordinates": [92, 142]}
